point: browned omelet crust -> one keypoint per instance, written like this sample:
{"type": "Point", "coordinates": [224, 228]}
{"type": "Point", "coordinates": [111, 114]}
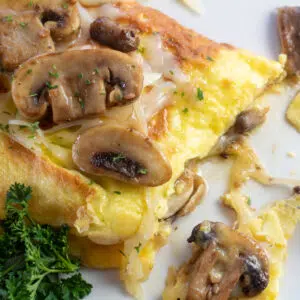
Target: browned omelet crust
{"type": "Point", "coordinates": [185, 43]}
{"type": "Point", "coordinates": [58, 194]}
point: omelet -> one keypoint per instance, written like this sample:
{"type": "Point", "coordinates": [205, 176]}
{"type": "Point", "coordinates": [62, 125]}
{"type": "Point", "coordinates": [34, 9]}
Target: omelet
{"type": "Point", "coordinates": [193, 90]}
{"type": "Point", "coordinates": [293, 112]}
{"type": "Point", "coordinates": [270, 228]}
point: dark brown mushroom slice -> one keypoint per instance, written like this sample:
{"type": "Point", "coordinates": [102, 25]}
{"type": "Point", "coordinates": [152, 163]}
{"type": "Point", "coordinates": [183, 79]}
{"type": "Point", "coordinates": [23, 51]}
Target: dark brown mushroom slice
{"type": "Point", "coordinates": [21, 37]}
{"type": "Point", "coordinates": [109, 33]}
{"type": "Point", "coordinates": [240, 263]}
{"type": "Point", "coordinates": [249, 120]}
{"type": "Point", "coordinates": [5, 83]}
{"type": "Point", "coordinates": [77, 84]}
{"type": "Point", "coordinates": [289, 32]}
{"type": "Point", "coordinates": [121, 153]}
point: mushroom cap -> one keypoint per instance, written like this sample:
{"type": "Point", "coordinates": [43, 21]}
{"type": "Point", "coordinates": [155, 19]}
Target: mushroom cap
{"type": "Point", "coordinates": [121, 153]}
{"type": "Point", "coordinates": [237, 253]}
{"type": "Point", "coordinates": [76, 83]}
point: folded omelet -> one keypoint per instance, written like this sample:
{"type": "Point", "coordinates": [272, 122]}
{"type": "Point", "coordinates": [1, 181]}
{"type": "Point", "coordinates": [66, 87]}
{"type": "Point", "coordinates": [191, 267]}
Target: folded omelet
{"type": "Point", "coordinates": [194, 88]}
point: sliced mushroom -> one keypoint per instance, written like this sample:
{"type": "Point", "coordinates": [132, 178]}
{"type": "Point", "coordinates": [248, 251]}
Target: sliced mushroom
{"type": "Point", "coordinates": [121, 153]}
{"type": "Point", "coordinates": [76, 84]}
{"type": "Point", "coordinates": [109, 33]}
{"type": "Point", "coordinates": [230, 264]}
{"type": "Point", "coordinates": [28, 30]}
{"type": "Point", "coordinates": [21, 37]}
{"type": "Point", "coordinates": [245, 122]}
{"type": "Point", "coordinates": [249, 119]}
{"type": "Point", "coordinates": [5, 84]}
{"type": "Point", "coordinates": [189, 190]}
{"type": "Point", "coordinates": [62, 19]}
{"type": "Point", "coordinates": [289, 31]}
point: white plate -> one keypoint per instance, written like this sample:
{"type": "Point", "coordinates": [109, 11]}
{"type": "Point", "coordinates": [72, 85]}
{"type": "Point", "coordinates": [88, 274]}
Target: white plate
{"type": "Point", "coordinates": [250, 25]}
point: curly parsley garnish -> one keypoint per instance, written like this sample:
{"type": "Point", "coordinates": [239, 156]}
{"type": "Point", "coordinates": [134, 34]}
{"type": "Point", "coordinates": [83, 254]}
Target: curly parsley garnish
{"type": "Point", "coordinates": [34, 256]}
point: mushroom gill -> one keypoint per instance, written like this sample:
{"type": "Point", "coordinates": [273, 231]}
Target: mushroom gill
{"type": "Point", "coordinates": [76, 84]}
{"type": "Point", "coordinates": [121, 153]}
{"type": "Point", "coordinates": [229, 264]}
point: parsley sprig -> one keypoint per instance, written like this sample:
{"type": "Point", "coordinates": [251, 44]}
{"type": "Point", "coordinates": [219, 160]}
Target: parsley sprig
{"type": "Point", "coordinates": [34, 256]}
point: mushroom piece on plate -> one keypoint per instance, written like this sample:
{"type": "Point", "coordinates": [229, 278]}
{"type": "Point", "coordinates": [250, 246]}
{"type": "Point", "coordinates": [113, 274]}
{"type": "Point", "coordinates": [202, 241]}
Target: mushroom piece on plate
{"type": "Point", "coordinates": [121, 153]}
{"type": "Point", "coordinates": [289, 31]}
{"type": "Point", "coordinates": [76, 84]}
{"type": "Point", "coordinates": [229, 264]}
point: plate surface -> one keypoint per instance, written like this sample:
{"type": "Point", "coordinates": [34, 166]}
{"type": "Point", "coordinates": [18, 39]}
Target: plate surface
{"type": "Point", "coordinates": [250, 25]}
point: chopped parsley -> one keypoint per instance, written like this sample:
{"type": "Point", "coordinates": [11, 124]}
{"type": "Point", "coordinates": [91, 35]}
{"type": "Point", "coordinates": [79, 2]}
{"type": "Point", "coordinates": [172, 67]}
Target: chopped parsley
{"type": "Point", "coordinates": [88, 82]}
{"type": "Point", "coordinates": [185, 110]}
{"type": "Point", "coordinates": [65, 5]}
{"type": "Point", "coordinates": [50, 86]}
{"type": "Point", "coordinates": [117, 192]}
{"type": "Point", "coordinates": [53, 74]}
{"type": "Point", "coordinates": [31, 137]}
{"type": "Point", "coordinates": [30, 4]}
{"type": "Point", "coordinates": [138, 247]}
{"type": "Point", "coordinates": [33, 256]}
{"type": "Point", "coordinates": [249, 201]}
{"type": "Point", "coordinates": [209, 58]}
{"type": "Point", "coordinates": [200, 95]}
{"type": "Point", "coordinates": [54, 67]}
{"type": "Point", "coordinates": [33, 95]}
{"type": "Point", "coordinates": [29, 71]}
{"type": "Point", "coordinates": [34, 126]}
{"type": "Point", "coordinates": [81, 102]}
{"type": "Point", "coordinates": [80, 75]}
{"type": "Point", "coordinates": [182, 94]}
{"type": "Point", "coordinates": [118, 157]}
{"type": "Point", "coordinates": [143, 171]}
{"type": "Point", "coordinates": [23, 24]}
{"type": "Point", "coordinates": [91, 182]}
{"type": "Point", "coordinates": [171, 72]}
{"type": "Point", "coordinates": [96, 70]}
{"type": "Point", "coordinates": [8, 18]}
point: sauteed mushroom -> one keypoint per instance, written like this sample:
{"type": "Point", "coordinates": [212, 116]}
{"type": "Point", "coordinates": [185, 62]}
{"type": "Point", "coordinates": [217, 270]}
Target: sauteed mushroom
{"type": "Point", "coordinates": [230, 263]}
{"type": "Point", "coordinates": [76, 84]}
{"type": "Point", "coordinates": [121, 153]}
{"type": "Point", "coordinates": [28, 30]}
{"type": "Point", "coordinates": [108, 32]}
{"type": "Point", "coordinates": [21, 37]}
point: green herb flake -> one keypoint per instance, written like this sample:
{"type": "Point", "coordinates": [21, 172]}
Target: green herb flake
{"type": "Point", "coordinates": [30, 4]}
{"type": "Point", "coordinates": [34, 126]}
{"type": "Point", "coordinates": [65, 5]}
{"type": "Point", "coordinates": [54, 67]}
{"type": "Point", "coordinates": [96, 70]}
{"type": "Point", "coordinates": [53, 74]}
{"type": "Point", "coordinates": [117, 192]}
{"type": "Point", "coordinates": [81, 102]}
{"type": "Point", "coordinates": [249, 201]}
{"type": "Point", "coordinates": [33, 256]}
{"type": "Point", "coordinates": [91, 182]}
{"type": "Point", "coordinates": [29, 71]}
{"type": "Point", "coordinates": [143, 171]}
{"type": "Point", "coordinates": [209, 58]}
{"type": "Point", "coordinates": [118, 157]}
{"type": "Point", "coordinates": [185, 110]}
{"type": "Point", "coordinates": [8, 18]}
{"type": "Point", "coordinates": [50, 86]}
{"type": "Point", "coordinates": [122, 253]}
{"type": "Point", "coordinates": [171, 72]}
{"type": "Point", "coordinates": [23, 24]}
{"type": "Point", "coordinates": [80, 75]}
{"type": "Point", "coordinates": [88, 82]}
{"type": "Point", "coordinates": [138, 247]}
{"type": "Point", "coordinates": [33, 95]}
{"type": "Point", "coordinates": [31, 137]}
{"type": "Point", "coordinates": [200, 95]}
{"type": "Point", "coordinates": [182, 94]}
